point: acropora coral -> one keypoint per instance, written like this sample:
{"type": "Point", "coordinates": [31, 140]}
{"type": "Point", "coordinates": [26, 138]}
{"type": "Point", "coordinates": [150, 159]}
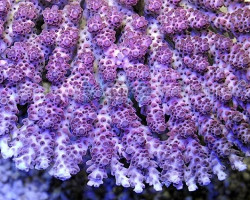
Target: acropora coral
{"type": "Point", "coordinates": [151, 92]}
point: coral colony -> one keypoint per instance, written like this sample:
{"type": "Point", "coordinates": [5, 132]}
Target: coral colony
{"type": "Point", "coordinates": [152, 92]}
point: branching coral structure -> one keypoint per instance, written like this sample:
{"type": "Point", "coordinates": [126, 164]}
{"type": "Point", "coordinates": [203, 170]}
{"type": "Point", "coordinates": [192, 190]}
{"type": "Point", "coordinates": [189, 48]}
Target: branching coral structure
{"type": "Point", "coordinates": [151, 92]}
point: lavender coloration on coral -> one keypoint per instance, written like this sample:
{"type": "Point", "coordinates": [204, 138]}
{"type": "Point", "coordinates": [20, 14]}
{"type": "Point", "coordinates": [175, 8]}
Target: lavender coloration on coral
{"type": "Point", "coordinates": [19, 185]}
{"type": "Point", "coordinates": [151, 92]}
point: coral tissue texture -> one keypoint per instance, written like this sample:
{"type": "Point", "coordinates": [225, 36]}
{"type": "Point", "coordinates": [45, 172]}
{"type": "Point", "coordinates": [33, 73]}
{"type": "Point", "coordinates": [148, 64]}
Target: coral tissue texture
{"type": "Point", "coordinates": [152, 92]}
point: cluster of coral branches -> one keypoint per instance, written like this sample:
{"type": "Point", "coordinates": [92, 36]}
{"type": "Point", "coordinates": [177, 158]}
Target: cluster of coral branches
{"type": "Point", "coordinates": [152, 92]}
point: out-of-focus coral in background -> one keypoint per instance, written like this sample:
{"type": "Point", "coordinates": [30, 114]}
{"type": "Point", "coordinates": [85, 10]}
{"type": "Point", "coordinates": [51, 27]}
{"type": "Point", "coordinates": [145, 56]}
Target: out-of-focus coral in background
{"type": "Point", "coordinates": [139, 94]}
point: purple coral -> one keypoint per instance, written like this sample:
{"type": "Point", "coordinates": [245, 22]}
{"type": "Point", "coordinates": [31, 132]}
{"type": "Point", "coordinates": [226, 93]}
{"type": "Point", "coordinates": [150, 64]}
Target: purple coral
{"type": "Point", "coordinates": [53, 16]}
{"type": "Point", "coordinates": [159, 92]}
